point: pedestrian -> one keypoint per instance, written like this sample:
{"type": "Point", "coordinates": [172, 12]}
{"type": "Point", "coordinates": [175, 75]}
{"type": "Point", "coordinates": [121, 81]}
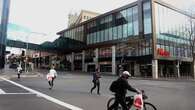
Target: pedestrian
{"type": "Point", "coordinates": [51, 76]}
{"type": "Point", "coordinates": [120, 87]}
{"type": "Point", "coordinates": [120, 69]}
{"type": "Point", "coordinates": [19, 71]}
{"type": "Point", "coordinates": [96, 81]}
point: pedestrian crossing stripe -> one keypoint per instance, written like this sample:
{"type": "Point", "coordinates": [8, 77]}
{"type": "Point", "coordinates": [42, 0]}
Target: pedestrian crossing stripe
{"type": "Point", "coordinates": [2, 92]}
{"type": "Point", "coordinates": [49, 98]}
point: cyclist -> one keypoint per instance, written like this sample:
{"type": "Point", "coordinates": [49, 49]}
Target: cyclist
{"type": "Point", "coordinates": [120, 94]}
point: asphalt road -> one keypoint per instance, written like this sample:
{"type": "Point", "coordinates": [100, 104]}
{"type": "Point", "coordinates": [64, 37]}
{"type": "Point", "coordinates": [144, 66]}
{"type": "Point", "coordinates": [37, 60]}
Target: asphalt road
{"type": "Point", "coordinates": [74, 89]}
{"type": "Point", "coordinates": [16, 98]}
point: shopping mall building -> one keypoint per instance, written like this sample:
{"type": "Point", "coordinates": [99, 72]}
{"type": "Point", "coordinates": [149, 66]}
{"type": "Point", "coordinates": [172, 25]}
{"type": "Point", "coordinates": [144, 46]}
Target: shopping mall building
{"type": "Point", "coordinates": [147, 37]}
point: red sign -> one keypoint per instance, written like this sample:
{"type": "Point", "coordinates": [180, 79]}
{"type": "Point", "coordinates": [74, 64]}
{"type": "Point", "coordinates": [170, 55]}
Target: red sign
{"type": "Point", "coordinates": [163, 52]}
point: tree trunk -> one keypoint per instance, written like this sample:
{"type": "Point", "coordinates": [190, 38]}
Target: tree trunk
{"type": "Point", "coordinates": [193, 62]}
{"type": "Point", "coordinates": [193, 69]}
{"type": "Point", "coordinates": [193, 66]}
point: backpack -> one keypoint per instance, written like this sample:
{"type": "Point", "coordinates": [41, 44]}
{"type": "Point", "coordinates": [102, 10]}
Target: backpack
{"type": "Point", "coordinates": [114, 86]}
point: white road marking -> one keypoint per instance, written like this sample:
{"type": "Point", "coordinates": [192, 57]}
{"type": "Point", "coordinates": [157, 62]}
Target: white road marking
{"type": "Point", "coordinates": [18, 93]}
{"type": "Point", "coordinates": [2, 92]}
{"type": "Point", "coordinates": [44, 96]}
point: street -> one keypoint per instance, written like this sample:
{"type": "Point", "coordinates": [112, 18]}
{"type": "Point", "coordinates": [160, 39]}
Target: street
{"type": "Point", "coordinates": [75, 90]}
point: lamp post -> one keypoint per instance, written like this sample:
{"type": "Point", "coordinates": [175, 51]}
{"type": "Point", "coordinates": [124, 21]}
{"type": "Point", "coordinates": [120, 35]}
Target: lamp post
{"type": "Point", "coordinates": [27, 45]}
{"type": "Point", "coordinates": [26, 52]}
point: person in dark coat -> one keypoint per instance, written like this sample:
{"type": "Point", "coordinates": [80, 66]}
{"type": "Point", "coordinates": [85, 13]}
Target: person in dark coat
{"type": "Point", "coordinates": [96, 81]}
{"type": "Point", "coordinates": [120, 94]}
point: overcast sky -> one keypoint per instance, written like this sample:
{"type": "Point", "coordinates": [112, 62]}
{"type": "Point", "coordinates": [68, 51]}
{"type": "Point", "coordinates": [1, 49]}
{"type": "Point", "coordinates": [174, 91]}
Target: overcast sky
{"type": "Point", "coordinates": [50, 16]}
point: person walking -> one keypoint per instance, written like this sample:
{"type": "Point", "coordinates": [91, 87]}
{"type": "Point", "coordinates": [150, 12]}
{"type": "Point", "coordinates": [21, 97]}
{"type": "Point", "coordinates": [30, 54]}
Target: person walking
{"type": "Point", "coordinates": [96, 81]}
{"type": "Point", "coordinates": [51, 76]}
{"type": "Point", "coordinates": [120, 87]}
{"type": "Point", "coordinates": [19, 71]}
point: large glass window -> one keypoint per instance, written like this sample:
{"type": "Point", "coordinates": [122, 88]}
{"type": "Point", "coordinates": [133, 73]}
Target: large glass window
{"type": "Point", "coordinates": [125, 30]}
{"type": "Point", "coordinates": [130, 22]}
{"type": "Point", "coordinates": [147, 18]}
{"type": "Point", "coordinates": [135, 20]}
{"type": "Point", "coordinates": [102, 36]}
{"type": "Point", "coordinates": [124, 16]}
{"type": "Point", "coordinates": [98, 36]}
{"type": "Point", "coordinates": [102, 21]}
{"type": "Point", "coordinates": [120, 32]}
{"type": "Point", "coordinates": [89, 54]}
{"type": "Point", "coordinates": [92, 38]}
{"type": "Point", "coordinates": [110, 33]}
{"type": "Point", "coordinates": [115, 26]}
{"type": "Point", "coordinates": [108, 19]}
{"type": "Point", "coordinates": [95, 37]}
{"type": "Point", "coordinates": [114, 33]}
{"type": "Point", "coordinates": [87, 38]}
{"type": "Point", "coordinates": [130, 27]}
{"type": "Point", "coordinates": [171, 31]}
{"type": "Point", "coordinates": [106, 34]}
{"type": "Point", "coordinates": [105, 52]}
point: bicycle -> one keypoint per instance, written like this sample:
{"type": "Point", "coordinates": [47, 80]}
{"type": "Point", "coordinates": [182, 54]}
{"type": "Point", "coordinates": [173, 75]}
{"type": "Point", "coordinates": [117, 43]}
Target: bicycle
{"type": "Point", "coordinates": [129, 102]}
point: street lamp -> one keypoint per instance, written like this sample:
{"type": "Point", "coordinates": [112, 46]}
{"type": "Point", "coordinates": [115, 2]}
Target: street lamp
{"type": "Point", "coordinates": [27, 45]}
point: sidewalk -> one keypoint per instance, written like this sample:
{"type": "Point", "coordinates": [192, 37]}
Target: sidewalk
{"type": "Point", "coordinates": [12, 73]}
{"type": "Point", "coordinates": [184, 79]}
{"type": "Point", "coordinates": [165, 79]}
{"type": "Point", "coordinates": [43, 72]}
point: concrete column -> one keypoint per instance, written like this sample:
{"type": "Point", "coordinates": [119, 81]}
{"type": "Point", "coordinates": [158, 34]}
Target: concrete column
{"type": "Point", "coordinates": [39, 65]}
{"type": "Point", "coordinates": [85, 69]}
{"type": "Point", "coordinates": [72, 61]}
{"type": "Point", "coordinates": [155, 69]}
{"type": "Point", "coordinates": [83, 61]}
{"type": "Point", "coordinates": [136, 69]}
{"type": "Point", "coordinates": [178, 69]}
{"type": "Point", "coordinates": [96, 58]}
{"type": "Point", "coordinates": [114, 60]}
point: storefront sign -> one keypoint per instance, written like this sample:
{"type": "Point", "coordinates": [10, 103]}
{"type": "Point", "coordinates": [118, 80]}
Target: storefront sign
{"type": "Point", "coordinates": [163, 52]}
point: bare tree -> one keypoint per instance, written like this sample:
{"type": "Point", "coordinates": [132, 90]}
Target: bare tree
{"type": "Point", "coordinates": [190, 31]}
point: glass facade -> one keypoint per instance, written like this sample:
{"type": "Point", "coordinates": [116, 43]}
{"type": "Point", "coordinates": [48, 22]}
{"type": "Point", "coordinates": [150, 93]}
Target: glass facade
{"type": "Point", "coordinates": [140, 48]}
{"type": "Point", "coordinates": [105, 52]}
{"type": "Point", "coordinates": [119, 25]}
{"type": "Point", "coordinates": [147, 18]}
{"type": "Point", "coordinates": [115, 26]}
{"type": "Point", "coordinates": [172, 36]}
{"type": "Point", "coordinates": [4, 11]}
{"type": "Point", "coordinates": [123, 24]}
{"type": "Point", "coordinates": [89, 54]}
{"type": "Point", "coordinates": [76, 33]}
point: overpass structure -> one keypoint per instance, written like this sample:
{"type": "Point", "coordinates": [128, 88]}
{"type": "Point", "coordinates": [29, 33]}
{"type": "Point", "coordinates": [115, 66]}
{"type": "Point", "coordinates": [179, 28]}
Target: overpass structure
{"type": "Point", "coordinates": [24, 45]}
{"type": "Point", "coordinates": [60, 45]}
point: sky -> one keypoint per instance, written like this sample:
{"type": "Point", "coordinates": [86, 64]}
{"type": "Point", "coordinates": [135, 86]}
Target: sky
{"type": "Point", "coordinates": [39, 20]}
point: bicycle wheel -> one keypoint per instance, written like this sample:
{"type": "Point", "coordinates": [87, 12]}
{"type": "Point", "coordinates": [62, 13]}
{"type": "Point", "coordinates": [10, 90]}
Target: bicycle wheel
{"type": "Point", "coordinates": [111, 102]}
{"type": "Point", "coordinates": [149, 106]}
